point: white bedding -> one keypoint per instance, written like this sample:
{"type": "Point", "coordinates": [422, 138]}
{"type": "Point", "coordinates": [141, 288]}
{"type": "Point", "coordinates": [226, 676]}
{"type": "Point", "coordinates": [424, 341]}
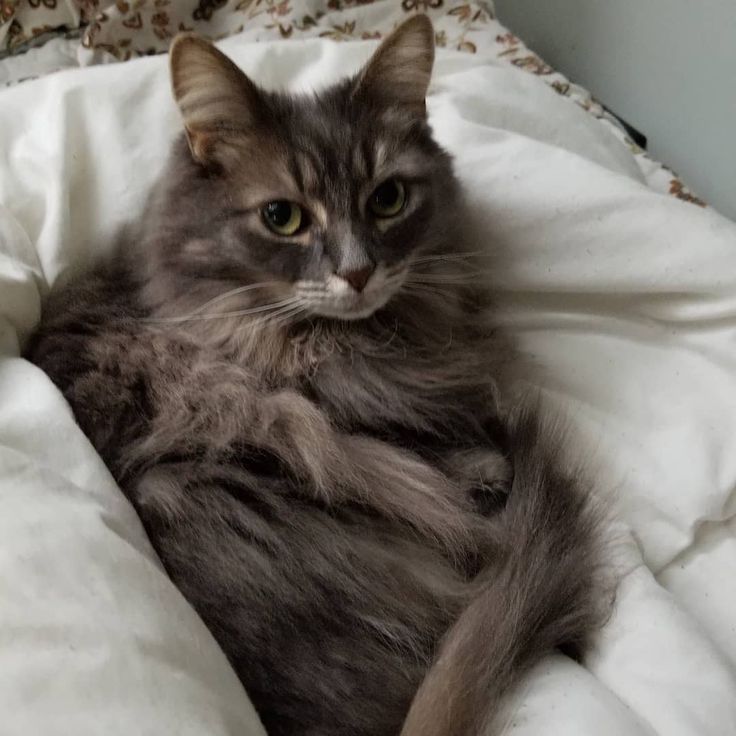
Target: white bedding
{"type": "Point", "coordinates": [626, 298]}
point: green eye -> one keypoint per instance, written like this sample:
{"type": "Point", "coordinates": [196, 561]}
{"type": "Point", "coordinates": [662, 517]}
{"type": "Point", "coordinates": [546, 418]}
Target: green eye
{"type": "Point", "coordinates": [284, 218]}
{"type": "Point", "coordinates": [388, 199]}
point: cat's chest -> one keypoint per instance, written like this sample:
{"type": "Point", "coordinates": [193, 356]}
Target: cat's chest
{"type": "Point", "coordinates": [202, 399]}
{"type": "Point", "coordinates": [401, 395]}
{"type": "Point", "coordinates": [351, 421]}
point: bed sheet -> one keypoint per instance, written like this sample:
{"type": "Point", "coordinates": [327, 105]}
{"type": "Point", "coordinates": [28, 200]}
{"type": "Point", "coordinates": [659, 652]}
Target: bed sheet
{"type": "Point", "coordinates": [625, 298]}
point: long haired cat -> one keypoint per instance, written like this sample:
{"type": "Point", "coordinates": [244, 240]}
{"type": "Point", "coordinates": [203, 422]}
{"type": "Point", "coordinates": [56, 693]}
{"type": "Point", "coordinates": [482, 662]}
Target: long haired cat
{"type": "Point", "coordinates": [289, 368]}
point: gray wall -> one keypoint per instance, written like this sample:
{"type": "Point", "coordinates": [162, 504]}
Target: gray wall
{"type": "Point", "coordinates": [668, 67]}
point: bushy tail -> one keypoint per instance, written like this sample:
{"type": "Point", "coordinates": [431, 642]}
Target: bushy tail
{"type": "Point", "coordinates": [545, 593]}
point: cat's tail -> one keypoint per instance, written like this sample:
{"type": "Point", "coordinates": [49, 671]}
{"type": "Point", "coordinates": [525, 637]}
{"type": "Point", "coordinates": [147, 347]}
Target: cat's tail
{"type": "Point", "coordinates": [546, 592]}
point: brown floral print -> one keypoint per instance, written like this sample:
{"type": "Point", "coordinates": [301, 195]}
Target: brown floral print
{"type": "Point", "coordinates": [125, 29]}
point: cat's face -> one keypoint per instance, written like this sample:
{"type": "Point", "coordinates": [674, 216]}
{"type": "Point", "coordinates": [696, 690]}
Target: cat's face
{"type": "Point", "coordinates": [326, 198]}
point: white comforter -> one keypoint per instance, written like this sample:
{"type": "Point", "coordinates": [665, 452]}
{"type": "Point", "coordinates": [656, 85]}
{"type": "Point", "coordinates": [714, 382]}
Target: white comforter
{"type": "Point", "coordinates": [626, 298]}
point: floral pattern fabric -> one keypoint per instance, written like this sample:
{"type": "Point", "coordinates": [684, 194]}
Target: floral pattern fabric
{"type": "Point", "coordinates": [128, 29]}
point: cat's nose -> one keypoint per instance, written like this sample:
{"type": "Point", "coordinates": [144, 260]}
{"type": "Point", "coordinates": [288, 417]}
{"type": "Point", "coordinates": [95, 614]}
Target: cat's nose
{"type": "Point", "coordinates": [357, 278]}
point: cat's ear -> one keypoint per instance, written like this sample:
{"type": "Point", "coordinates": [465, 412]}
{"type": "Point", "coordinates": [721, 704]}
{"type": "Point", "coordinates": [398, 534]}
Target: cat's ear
{"type": "Point", "coordinates": [398, 73]}
{"type": "Point", "coordinates": [215, 97]}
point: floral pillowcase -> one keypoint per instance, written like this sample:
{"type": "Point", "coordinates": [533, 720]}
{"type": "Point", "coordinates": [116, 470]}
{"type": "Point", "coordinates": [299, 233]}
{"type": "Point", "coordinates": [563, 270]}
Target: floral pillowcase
{"type": "Point", "coordinates": [129, 28]}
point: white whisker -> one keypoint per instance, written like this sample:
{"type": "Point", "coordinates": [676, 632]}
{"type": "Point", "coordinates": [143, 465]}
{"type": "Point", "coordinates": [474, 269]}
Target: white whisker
{"type": "Point", "coordinates": [282, 315]}
{"type": "Point", "coordinates": [421, 289]}
{"type": "Point", "coordinates": [234, 313]}
{"type": "Point", "coordinates": [397, 268]}
{"type": "Point", "coordinates": [440, 278]}
{"type": "Point", "coordinates": [233, 292]}
{"type": "Point", "coordinates": [312, 292]}
{"type": "Point", "coordinates": [287, 317]}
{"type": "Point", "coordinates": [395, 280]}
{"type": "Point", "coordinates": [447, 257]}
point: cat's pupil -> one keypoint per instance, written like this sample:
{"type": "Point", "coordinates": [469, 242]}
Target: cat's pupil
{"type": "Point", "coordinates": [279, 213]}
{"type": "Point", "coordinates": [386, 195]}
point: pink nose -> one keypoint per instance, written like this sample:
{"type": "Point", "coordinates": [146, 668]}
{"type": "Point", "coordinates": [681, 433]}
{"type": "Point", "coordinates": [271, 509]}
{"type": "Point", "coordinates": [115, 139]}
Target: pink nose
{"type": "Point", "coordinates": [358, 278]}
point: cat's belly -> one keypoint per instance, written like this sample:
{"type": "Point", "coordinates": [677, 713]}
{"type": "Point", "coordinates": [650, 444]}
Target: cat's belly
{"type": "Point", "coordinates": [330, 615]}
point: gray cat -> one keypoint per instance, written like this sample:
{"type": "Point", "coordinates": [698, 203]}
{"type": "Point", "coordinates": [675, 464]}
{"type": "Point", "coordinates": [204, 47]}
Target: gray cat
{"type": "Point", "coordinates": [289, 368]}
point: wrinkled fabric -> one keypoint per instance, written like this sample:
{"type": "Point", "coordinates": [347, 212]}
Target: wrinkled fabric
{"type": "Point", "coordinates": [624, 298]}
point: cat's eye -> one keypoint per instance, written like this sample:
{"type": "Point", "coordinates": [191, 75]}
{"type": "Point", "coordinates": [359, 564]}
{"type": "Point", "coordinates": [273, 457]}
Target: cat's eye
{"type": "Point", "coordinates": [283, 217]}
{"type": "Point", "coordinates": [388, 199]}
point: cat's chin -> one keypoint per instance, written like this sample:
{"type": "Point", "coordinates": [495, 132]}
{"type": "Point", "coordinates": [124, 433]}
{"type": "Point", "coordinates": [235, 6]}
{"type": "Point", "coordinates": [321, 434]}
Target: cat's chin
{"type": "Point", "coordinates": [352, 315]}
{"type": "Point", "coordinates": [348, 310]}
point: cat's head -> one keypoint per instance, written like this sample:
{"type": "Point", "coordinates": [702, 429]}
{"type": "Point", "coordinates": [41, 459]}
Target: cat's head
{"type": "Point", "coordinates": [326, 199]}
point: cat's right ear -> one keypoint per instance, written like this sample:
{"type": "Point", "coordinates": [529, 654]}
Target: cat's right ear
{"type": "Point", "coordinates": [398, 73]}
{"type": "Point", "coordinates": [216, 99]}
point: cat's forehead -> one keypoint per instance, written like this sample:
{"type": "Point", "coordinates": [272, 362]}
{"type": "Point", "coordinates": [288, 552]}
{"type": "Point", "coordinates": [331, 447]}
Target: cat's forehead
{"type": "Point", "coordinates": [324, 149]}
{"type": "Point", "coordinates": [335, 139]}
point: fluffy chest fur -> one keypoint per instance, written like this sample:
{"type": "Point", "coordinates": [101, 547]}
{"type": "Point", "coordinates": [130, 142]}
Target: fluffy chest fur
{"type": "Point", "coordinates": [326, 403]}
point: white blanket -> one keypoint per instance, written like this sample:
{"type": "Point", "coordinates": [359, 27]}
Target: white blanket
{"type": "Point", "coordinates": [626, 299]}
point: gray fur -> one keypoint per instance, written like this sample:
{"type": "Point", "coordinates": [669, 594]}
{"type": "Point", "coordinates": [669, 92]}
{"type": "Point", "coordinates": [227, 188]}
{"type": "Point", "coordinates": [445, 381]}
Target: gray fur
{"type": "Point", "coordinates": [344, 501]}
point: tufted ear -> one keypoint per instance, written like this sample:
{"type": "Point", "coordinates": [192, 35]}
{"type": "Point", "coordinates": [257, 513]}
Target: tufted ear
{"type": "Point", "coordinates": [216, 99]}
{"type": "Point", "coordinates": [398, 73]}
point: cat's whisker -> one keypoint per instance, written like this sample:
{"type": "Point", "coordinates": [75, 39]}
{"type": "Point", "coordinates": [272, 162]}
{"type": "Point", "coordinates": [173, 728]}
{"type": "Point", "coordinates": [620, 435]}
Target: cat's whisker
{"type": "Point", "coordinates": [397, 268]}
{"type": "Point", "coordinates": [394, 281]}
{"type": "Point", "coordinates": [439, 278]}
{"type": "Point", "coordinates": [312, 292]}
{"type": "Point", "coordinates": [433, 287]}
{"type": "Point", "coordinates": [274, 321]}
{"type": "Point", "coordinates": [447, 257]}
{"type": "Point", "coordinates": [447, 284]}
{"type": "Point", "coordinates": [289, 316]}
{"type": "Point", "coordinates": [232, 292]}
{"type": "Point", "coordinates": [235, 313]}
{"type": "Point", "coordinates": [421, 289]}
{"type": "Point", "coordinates": [277, 316]}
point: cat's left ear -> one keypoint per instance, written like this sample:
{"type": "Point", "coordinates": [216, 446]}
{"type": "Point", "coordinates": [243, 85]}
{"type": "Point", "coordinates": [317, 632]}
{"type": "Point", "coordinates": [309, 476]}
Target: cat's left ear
{"type": "Point", "coordinates": [216, 99]}
{"type": "Point", "coordinates": [398, 73]}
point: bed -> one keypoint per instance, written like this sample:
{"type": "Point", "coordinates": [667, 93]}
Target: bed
{"type": "Point", "coordinates": [617, 280]}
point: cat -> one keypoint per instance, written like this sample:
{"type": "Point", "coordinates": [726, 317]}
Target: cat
{"type": "Point", "coordinates": [290, 367]}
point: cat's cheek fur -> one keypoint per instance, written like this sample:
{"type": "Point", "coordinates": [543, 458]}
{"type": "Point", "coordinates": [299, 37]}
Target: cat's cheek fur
{"type": "Point", "coordinates": [277, 259]}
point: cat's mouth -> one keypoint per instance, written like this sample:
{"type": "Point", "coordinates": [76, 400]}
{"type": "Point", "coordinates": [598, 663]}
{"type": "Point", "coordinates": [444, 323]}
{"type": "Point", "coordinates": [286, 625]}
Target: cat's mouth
{"type": "Point", "coordinates": [336, 299]}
